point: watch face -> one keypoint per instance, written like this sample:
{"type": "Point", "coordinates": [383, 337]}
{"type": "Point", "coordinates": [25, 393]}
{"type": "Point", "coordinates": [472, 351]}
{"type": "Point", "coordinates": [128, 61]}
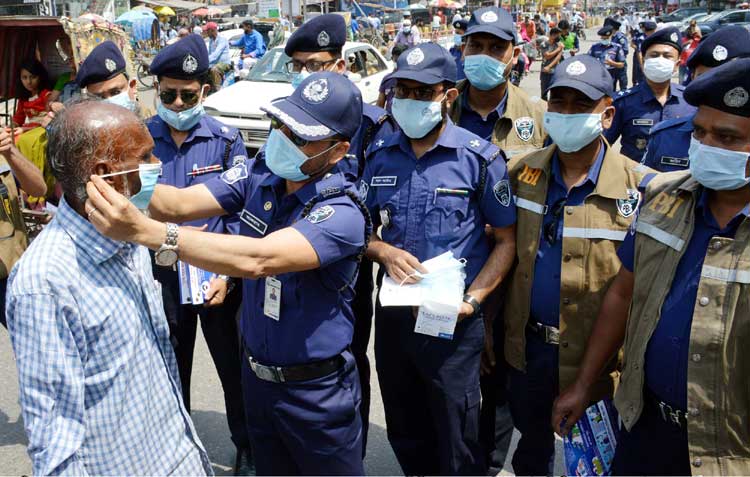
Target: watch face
{"type": "Point", "coordinates": [166, 257]}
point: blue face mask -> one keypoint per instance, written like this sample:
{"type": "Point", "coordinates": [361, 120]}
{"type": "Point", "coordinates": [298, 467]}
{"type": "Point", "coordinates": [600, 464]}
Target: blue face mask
{"type": "Point", "coordinates": [457, 40]}
{"type": "Point", "coordinates": [285, 159]}
{"type": "Point", "coordinates": [298, 78]}
{"type": "Point", "coordinates": [123, 99]}
{"type": "Point", "coordinates": [484, 72]}
{"type": "Point", "coordinates": [417, 118]}
{"type": "Point", "coordinates": [149, 175]}
{"type": "Point", "coordinates": [716, 168]}
{"type": "Point", "coordinates": [606, 42]}
{"type": "Point", "coordinates": [572, 132]}
{"type": "Point", "coordinates": [184, 120]}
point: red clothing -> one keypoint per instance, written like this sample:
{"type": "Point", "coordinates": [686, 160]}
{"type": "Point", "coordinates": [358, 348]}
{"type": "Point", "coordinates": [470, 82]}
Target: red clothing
{"type": "Point", "coordinates": [31, 108]}
{"type": "Point", "coordinates": [528, 30]}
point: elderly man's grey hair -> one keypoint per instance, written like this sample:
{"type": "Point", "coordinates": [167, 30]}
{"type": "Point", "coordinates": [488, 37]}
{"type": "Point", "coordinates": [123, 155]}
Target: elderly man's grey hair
{"type": "Point", "coordinates": [76, 141]}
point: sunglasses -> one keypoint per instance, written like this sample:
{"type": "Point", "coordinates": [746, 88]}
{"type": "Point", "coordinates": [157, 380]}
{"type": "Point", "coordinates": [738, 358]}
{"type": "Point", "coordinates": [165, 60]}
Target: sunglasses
{"type": "Point", "coordinates": [551, 229]}
{"type": "Point", "coordinates": [189, 98]}
{"type": "Point", "coordinates": [298, 141]}
{"type": "Point", "coordinates": [420, 93]}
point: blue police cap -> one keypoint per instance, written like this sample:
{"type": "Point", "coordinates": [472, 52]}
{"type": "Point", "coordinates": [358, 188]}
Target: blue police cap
{"type": "Point", "coordinates": [185, 59]}
{"type": "Point", "coordinates": [325, 104]}
{"type": "Point", "coordinates": [726, 43]}
{"type": "Point", "coordinates": [103, 63]}
{"type": "Point", "coordinates": [323, 33]}
{"type": "Point", "coordinates": [585, 74]}
{"type": "Point", "coordinates": [648, 25]}
{"type": "Point", "coordinates": [605, 30]}
{"type": "Point", "coordinates": [609, 21]}
{"type": "Point", "coordinates": [461, 24]}
{"type": "Point", "coordinates": [666, 36]}
{"type": "Point", "coordinates": [492, 20]}
{"type": "Point", "coordinates": [726, 88]}
{"type": "Point", "coordinates": [428, 63]}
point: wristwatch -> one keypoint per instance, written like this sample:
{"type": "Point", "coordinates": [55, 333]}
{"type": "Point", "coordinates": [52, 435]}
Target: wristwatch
{"type": "Point", "coordinates": [166, 255]}
{"type": "Point", "coordinates": [473, 302]}
{"type": "Point", "coordinates": [230, 282]}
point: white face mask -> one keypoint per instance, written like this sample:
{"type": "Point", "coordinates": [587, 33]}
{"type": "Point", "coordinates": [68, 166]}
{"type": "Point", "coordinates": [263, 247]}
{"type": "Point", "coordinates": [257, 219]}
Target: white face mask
{"type": "Point", "coordinates": [658, 70]}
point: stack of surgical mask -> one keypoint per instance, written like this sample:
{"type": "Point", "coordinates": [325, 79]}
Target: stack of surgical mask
{"type": "Point", "coordinates": [438, 295]}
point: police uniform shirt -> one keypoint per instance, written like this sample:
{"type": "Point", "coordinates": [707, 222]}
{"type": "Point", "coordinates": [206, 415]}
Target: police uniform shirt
{"type": "Point", "coordinates": [376, 124]}
{"type": "Point", "coordinates": [666, 363]}
{"type": "Point", "coordinates": [637, 111]}
{"type": "Point", "coordinates": [668, 145]}
{"type": "Point", "coordinates": [433, 205]}
{"type": "Point", "coordinates": [612, 51]}
{"type": "Point", "coordinates": [638, 38]}
{"type": "Point", "coordinates": [621, 39]}
{"type": "Point", "coordinates": [545, 290]}
{"type": "Point", "coordinates": [474, 122]}
{"type": "Point", "coordinates": [316, 320]}
{"type": "Point", "coordinates": [199, 159]}
{"type": "Point", "coordinates": [457, 54]}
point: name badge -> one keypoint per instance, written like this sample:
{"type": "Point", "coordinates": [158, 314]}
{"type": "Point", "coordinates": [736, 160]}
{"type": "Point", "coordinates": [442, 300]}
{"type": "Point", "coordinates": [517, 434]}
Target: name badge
{"type": "Point", "coordinates": [272, 304]}
{"type": "Point", "coordinates": [643, 122]}
{"type": "Point", "coordinates": [253, 222]}
{"type": "Point", "coordinates": [675, 161]}
{"type": "Point", "coordinates": [383, 181]}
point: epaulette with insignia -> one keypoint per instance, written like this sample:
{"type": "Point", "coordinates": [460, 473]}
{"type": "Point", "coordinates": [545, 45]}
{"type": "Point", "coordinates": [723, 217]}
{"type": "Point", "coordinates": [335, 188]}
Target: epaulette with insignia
{"type": "Point", "coordinates": [625, 94]}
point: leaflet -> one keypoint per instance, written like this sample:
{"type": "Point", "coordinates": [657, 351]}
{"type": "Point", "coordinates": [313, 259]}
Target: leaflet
{"type": "Point", "coordinates": [590, 446]}
{"type": "Point", "coordinates": [194, 284]}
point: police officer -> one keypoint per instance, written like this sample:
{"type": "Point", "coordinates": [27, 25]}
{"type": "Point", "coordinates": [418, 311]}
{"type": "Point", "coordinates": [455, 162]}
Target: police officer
{"type": "Point", "coordinates": [654, 100]}
{"type": "Point", "coordinates": [459, 28]}
{"type": "Point", "coordinates": [433, 186]}
{"type": "Point", "coordinates": [645, 28]}
{"type": "Point", "coordinates": [316, 46]}
{"type": "Point", "coordinates": [194, 148]}
{"type": "Point", "coordinates": [680, 297]}
{"type": "Point", "coordinates": [303, 230]}
{"type": "Point", "coordinates": [488, 105]}
{"type": "Point", "coordinates": [576, 199]}
{"type": "Point", "coordinates": [669, 141]}
{"type": "Point", "coordinates": [619, 38]}
{"type": "Point", "coordinates": [608, 53]}
{"type": "Point", "coordinates": [103, 74]}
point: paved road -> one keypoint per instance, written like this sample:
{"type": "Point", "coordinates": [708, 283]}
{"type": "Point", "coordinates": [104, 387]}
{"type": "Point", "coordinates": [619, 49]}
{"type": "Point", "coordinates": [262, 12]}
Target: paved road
{"type": "Point", "coordinates": [208, 402]}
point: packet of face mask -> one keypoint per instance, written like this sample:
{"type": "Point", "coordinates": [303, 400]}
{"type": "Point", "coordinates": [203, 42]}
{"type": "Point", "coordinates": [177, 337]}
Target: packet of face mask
{"type": "Point", "coordinates": [443, 272]}
{"type": "Point", "coordinates": [436, 319]}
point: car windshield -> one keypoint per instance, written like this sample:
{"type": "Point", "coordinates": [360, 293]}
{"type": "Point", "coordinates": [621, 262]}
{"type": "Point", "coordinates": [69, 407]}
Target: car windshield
{"type": "Point", "coordinates": [712, 17]}
{"type": "Point", "coordinates": [272, 68]}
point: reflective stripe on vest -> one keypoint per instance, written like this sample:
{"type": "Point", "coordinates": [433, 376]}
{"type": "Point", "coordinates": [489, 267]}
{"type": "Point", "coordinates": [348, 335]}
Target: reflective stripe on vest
{"type": "Point", "coordinates": [659, 235]}
{"type": "Point", "coordinates": [532, 206]}
{"type": "Point", "coordinates": [606, 234]}
{"type": "Point", "coordinates": [726, 274]}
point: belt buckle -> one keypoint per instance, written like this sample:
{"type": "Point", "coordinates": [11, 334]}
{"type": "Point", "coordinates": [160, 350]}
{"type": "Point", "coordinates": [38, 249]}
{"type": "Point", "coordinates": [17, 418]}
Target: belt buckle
{"type": "Point", "coordinates": [267, 373]}
{"type": "Point", "coordinates": [551, 335]}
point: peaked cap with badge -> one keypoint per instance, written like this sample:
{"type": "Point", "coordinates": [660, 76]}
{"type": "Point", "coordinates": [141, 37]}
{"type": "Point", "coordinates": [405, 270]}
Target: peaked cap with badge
{"type": "Point", "coordinates": [325, 104]}
{"type": "Point", "coordinates": [648, 25]}
{"type": "Point", "coordinates": [186, 59]}
{"type": "Point", "coordinates": [605, 30]}
{"type": "Point", "coordinates": [493, 20]}
{"type": "Point", "coordinates": [460, 24]}
{"type": "Point", "coordinates": [666, 36]}
{"type": "Point", "coordinates": [609, 21]}
{"type": "Point", "coordinates": [583, 73]}
{"type": "Point", "coordinates": [102, 64]}
{"type": "Point", "coordinates": [726, 43]}
{"type": "Point", "coordinates": [324, 33]}
{"type": "Point", "coordinates": [428, 63]}
{"type": "Point", "coordinates": [726, 88]}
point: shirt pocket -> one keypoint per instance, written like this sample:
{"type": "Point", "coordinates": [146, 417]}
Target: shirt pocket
{"type": "Point", "coordinates": [445, 215]}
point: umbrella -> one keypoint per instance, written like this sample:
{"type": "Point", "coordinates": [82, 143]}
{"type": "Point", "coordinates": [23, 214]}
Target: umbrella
{"type": "Point", "coordinates": [415, 6]}
{"type": "Point", "coordinates": [166, 11]}
{"type": "Point", "coordinates": [132, 16]}
{"type": "Point", "coordinates": [215, 12]}
{"type": "Point", "coordinates": [201, 12]}
{"type": "Point", "coordinates": [92, 17]}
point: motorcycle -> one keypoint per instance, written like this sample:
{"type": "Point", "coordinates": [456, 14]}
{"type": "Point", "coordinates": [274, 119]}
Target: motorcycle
{"type": "Point", "coordinates": [579, 30]}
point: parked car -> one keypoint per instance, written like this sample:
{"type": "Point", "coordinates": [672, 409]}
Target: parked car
{"type": "Point", "coordinates": [684, 23]}
{"type": "Point", "coordinates": [239, 105]}
{"type": "Point", "coordinates": [727, 17]}
{"type": "Point", "coordinates": [680, 14]}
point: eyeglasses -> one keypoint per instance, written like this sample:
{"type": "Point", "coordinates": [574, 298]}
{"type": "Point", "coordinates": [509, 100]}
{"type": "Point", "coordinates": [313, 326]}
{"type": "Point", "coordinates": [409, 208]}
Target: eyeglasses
{"type": "Point", "coordinates": [298, 141]}
{"type": "Point", "coordinates": [189, 98]}
{"type": "Point", "coordinates": [312, 66]}
{"type": "Point", "coordinates": [420, 93]}
{"type": "Point", "coordinates": [550, 230]}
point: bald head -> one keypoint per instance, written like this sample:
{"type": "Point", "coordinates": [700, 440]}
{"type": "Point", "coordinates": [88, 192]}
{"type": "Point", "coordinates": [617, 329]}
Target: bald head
{"type": "Point", "coordinates": [95, 137]}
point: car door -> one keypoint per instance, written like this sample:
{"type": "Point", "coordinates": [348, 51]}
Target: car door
{"type": "Point", "coordinates": [371, 68]}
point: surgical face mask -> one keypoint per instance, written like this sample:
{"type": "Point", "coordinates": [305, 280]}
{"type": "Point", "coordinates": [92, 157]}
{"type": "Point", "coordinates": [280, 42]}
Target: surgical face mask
{"type": "Point", "coordinates": [484, 72]}
{"type": "Point", "coordinates": [658, 70]}
{"type": "Point", "coordinates": [149, 175]}
{"type": "Point", "coordinates": [457, 39]}
{"type": "Point", "coordinates": [298, 78]}
{"type": "Point", "coordinates": [716, 168]}
{"type": "Point", "coordinates": [573, 132]}
{"type": "Point", "coordinates": [605, 41]}
{"type": "Point", "coordinates": [407, 30]}
{"type": "Point", "coordinates": [285, 159]}
{"type": "Point", "coordinates": [184, 120]}
{"type": "Point", "coordinates": [123, 99]}
{"type": "Point", "coordinates": [417, 118]}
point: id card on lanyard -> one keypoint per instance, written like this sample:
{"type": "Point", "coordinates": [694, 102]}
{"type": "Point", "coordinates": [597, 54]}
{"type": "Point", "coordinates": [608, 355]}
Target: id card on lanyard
{"type": "Point", "coordinates": [272, 303]}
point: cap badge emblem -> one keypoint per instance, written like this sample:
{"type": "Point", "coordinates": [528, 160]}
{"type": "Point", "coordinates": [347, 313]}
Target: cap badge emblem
{"type": "Point", "coordinates": [415, 57]}
{"type": "Point", "coordinates": [316, 91]}
{"type": "Point", "coordinates": [674, 37]}
{"type": "Point", "coordinates": [488, 17]}
{"type": "Point", "coordinates": [720, 53]}
{"type": "Point", "coordinates": [576, 68]}
{"type": "Point", "coordinates": [323, 39]}
{"type": "Point", "coordinates": [110, 65]}
{"type": "Point", "coordinates": [736, 97]}
{"type": "Point", "coordinates": [189, 64]}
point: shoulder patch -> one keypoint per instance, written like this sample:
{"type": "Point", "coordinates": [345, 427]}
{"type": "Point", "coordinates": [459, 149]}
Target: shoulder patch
{"type": "Point", "coordinates": [236, 173]}
{"type": "Point", "coordinates": [364, 188]}
{"type": "Point", "coordinates": [627, 207]}
{"type": "Point", "coordinates": [524, 127]}
{"type": "Point", "coordinates": [501, 190]}
{"type": "Point", "coordinates": [529, 176]}
{"type": "Point", "coordinates": [321, 214]}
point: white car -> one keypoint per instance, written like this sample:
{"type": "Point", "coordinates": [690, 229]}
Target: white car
{"type": "Point", "coordinates": [232, 35]}
{"type": "Point", "coordinates": [239, 105]}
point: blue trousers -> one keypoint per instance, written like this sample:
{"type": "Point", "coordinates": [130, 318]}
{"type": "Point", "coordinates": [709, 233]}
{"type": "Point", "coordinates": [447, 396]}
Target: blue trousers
{"type": "Point", "coordinates": [305, 428]}
{"type": "Point", "coordinates": [621, 77]}
{"type": "Point", "coordinates": [430, 389]}
{"type": "Point", "coordinates": [532, 394]}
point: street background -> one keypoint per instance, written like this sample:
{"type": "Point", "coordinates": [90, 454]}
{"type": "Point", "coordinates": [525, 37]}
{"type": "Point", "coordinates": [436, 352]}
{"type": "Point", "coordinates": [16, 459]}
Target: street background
{"type": "Point", "coordinates": [207, 397]}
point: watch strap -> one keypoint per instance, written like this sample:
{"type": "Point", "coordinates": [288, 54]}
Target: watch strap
{"type": "Point", "coordinates": [172, 232]}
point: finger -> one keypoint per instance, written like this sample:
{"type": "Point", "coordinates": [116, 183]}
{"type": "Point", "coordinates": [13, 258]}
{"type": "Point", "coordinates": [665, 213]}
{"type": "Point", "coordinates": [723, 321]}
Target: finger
{"type": "Point", "coordinates": [96, 190]}
{"type": "Point", "coordinates": [414, 263]}
{"type": "Point", "coordinates": [108, 192]}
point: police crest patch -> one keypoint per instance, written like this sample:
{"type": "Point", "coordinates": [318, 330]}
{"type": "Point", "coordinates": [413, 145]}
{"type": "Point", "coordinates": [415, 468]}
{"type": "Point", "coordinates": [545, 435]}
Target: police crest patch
{"type": "Point", "coordinates": [736, 97]}
{"type": "Point", "coordinates": [110, 65]}
{"type": "Point", "coordinates": [189, 64]}
{"type": "Point", "coordinates": [323, 39]}
{"type": "Point", "coordinates": [502, 192]}
{"type": "Point", "coordinates": [364, 188]}
{"type": "Point", "coordinates": [720, 53]}
{"type": "Point", "coordinates": [627, 207]}
{"type": "Point", "coordinates": [237, 160]}
{"type": "Point", "coordinates": [415, 57]}
{"type": "Point", "coordinates": [489, 17]}
{"type": "Point", "coordinates": [316, 91]}
{"type": "Point", "coordinates": [524, 128]}
{"type": "Point", "coordinates": [236, 173]}
{"type": "Point", "coordinates": [321, 214]}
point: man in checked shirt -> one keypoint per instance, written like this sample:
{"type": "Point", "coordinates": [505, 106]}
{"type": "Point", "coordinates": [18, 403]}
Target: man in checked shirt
{"type": "Point", "coordinates": [99, 388]}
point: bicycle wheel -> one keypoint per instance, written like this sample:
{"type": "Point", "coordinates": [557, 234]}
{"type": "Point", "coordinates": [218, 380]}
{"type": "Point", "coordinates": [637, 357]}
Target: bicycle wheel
{"type": "Point", "coordinates": [144, 77]}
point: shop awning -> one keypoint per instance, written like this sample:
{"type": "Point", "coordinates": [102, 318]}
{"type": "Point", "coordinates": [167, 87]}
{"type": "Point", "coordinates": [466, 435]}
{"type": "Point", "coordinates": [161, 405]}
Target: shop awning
{"type": "Point", "coordinates": [175, 4]}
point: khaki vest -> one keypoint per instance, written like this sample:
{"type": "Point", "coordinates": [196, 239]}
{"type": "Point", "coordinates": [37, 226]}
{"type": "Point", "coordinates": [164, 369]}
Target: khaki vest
{"type": "Point", "coordinates": [718, 389]}
{"type": "Point", "coordinates": [13, 240]}
{"type": "Point", "coordinates": [520, 130]}
{"type": "Point", "coordinates": [591, 234]}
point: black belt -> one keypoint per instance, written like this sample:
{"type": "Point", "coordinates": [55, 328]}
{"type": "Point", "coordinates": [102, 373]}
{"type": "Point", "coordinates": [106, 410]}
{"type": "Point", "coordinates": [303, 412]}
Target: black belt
{"type": "Point", "coordinates": [549, 334]}
{"type": "Point", "coordinates": [668, 413]}
{"type": "Point", "coordinates": [302, 372]}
